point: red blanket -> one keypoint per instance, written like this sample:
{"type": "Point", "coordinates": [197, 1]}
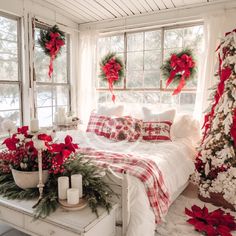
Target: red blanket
{"type": "Point", "coordinates": [142, 168]}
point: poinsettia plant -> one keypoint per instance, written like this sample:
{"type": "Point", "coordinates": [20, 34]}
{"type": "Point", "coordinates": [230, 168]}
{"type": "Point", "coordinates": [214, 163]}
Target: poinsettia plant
{"type": "Point", "coordinates": [21, 153]}
{"type": "Point", "coordinates": [212, 223]}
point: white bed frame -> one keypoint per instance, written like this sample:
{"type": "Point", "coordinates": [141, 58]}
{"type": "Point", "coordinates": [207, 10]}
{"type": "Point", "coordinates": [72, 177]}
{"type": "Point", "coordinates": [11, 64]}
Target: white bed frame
{"type": "Point", "coordinates": [120, 185]}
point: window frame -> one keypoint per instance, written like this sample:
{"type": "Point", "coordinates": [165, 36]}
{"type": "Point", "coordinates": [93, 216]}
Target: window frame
{"type": "Point", "coordinates": [19, 80]}
{"type": "Point", "coordinates": [161, 88]}
{"type": "Point", "coordinates": [53, 85]}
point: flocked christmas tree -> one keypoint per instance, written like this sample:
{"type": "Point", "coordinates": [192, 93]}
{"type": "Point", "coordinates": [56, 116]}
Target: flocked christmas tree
{"type": "Point", "coordinates": [216, 161]}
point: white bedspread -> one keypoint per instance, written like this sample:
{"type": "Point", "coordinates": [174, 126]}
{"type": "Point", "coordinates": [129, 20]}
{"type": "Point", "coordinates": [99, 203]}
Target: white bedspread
{"type": "Point", "coordinates": [174, 159]}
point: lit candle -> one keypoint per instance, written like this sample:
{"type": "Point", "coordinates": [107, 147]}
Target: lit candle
{"type": "Point", "coordinates": [73, 196]}
{"type": "Point", "coordinates": [63, 185]}
{"type": "Point", "coordinates": [76, 182]}
{"type": "Point", "coordinates": [34, 125]}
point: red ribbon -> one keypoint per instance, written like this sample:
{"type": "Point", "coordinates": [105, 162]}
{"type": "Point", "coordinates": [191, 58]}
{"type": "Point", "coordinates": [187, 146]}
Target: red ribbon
{"type": "Point", "coordinates": [111, 70]}
{"type": "Point", "coordinates": [54, 45]}
{"type": "Point", "coordinates": [180, 65]}
{"type": "Point", "coordinates": [224, 75]}
{"type": "Point", "coordinates": [233, 128]}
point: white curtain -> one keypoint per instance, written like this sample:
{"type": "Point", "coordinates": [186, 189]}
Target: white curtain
{"type": "Point", "coordinates": [87, 74]}
{"type": "Point", "coordinates": [215, 27]}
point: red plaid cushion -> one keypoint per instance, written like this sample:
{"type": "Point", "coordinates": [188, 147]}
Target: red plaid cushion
{"type": "Point", "coordinates": [156, 131]}
{"type": "Point", "coordinates": [96, 123]}
{"type": "Point", "coordinates": [123, 128]}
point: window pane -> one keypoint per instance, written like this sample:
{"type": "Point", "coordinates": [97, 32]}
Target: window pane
{"type": "Point", "coordinates": [117, 43]}
{"type": "Point", "coordinates": [187, 102]}
{"type": "Point", "coordinates": [173, 38]}
{"type": "Point", "coordinates": [9, 97]}
{"type": "Point", "coordinates": [135, 61]}
{"type": "Point", "coordinates": [61, 96]}
{"type": "Point", "coordinates": [8, 49]}
{"type": "Point", "coordinates": [151, 79]}
{"type": "Point", "coordinates": [128, 97]}
{"type": "Point", "coordinates": [151, 97]}
{"type": "Point", "coordinates": [45, 116]}
{"type": "Point", "coordinates": [135, 42]}
{"type": "Point", "coordinates": [152, 40]}
{"type": "Point", "coordinates": [134, 79]}
{"type": "Point", "coordinates": [44, 96]}
{"type": "Point", "coordinates": [152, 60]}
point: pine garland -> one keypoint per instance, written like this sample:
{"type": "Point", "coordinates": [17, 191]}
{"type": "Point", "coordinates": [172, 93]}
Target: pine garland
{"type": "Point", "coordinates": [96, 191]}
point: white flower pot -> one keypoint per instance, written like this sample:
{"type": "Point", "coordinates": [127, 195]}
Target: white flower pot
{"type": "Point", "coordinates": [28, 179]}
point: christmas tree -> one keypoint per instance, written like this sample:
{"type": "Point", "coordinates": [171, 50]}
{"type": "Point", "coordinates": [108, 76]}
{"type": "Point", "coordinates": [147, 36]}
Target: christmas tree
{"type": "Point", "coordinates": [216, 160]}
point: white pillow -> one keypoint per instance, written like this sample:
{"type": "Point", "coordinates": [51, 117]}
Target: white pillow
{"type": "Point", "coordinates": [111, 110]}
{"type": "Point", "coordinates": [185, 126]}
{"type": "Point", "coordinates": [168, 115]}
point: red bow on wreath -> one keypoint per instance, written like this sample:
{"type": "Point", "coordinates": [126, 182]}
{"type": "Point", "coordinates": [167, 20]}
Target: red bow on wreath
{"type": "Point", "coordinates": [111, 70]}
{"type": "Point", "coordinates": [53, 46]}
{"type": "Point", "coordinates": [180, 65]}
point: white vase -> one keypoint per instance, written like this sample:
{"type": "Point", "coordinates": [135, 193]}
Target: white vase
{"type": "Point", "coordinates": [28, 179]}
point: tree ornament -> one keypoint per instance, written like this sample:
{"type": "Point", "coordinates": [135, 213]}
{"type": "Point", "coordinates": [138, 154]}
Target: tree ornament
{"type": "Point", "coordinates": [111, 70]}
{"type": "Point", "coordinates": [179, 69]}
{"type": "Point", "coordinates": [218, 186]}
{"type": "Point", "coordinates": [51, 41]}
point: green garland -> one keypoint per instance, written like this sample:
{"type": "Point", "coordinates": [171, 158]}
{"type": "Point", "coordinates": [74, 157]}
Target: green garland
{"type": "Point", "coordinates": [45, 38]}
{"type": "Point", "coordinates": [104, 61]}
{"type": "Point", "coordinates": [96, 191]}
{"type": "Point", "coordinates": [166, 67]}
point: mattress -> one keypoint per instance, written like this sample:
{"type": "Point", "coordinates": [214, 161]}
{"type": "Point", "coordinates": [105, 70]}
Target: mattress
{"type": "Point", "coordinates": [174, 159]}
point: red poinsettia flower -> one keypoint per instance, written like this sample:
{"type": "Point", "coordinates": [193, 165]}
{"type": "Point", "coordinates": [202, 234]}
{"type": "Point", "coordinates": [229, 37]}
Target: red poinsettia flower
{"type": "Point", "coordinates": [45, 137]}
{"type": "Point", "coordinates": [23, 130]}
{"type": "Point", "coordinates": [63, 150]}
{"type": "Point", "coordinates": [215, 223]}
{"type": "Point", "coordinates": [11, 143]}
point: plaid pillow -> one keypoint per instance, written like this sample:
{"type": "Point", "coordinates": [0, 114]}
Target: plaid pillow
{"type": "Point", "coordinates": [96, 123]}
{"type": "Point", "coordinates": [123, 128]}
{"type": "Point", "coordinates": [156, 131]}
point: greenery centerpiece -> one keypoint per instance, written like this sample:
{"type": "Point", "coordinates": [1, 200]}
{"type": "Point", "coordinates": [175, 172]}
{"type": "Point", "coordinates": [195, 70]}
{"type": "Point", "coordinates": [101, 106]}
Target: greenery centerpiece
{"type": "Point", "coordinates": [59, 159]}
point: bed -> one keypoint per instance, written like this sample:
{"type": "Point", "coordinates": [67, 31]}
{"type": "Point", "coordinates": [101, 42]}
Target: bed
{"type": "Point", "coordinates": [174, 159]}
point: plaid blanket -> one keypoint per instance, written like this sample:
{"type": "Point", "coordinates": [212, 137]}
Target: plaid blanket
{"type": "Point", "coordinates": [144, 169]}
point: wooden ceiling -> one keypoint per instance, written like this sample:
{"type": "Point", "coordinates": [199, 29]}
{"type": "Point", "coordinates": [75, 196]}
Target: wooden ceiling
{"type": "Point", "coordinates": [84, 11]}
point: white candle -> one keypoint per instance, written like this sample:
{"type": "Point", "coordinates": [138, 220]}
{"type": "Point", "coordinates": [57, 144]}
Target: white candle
{"type": "Point", "coordinates": [61, 115]}
{"type": "Point", "coordinates": [34, 125]}
{"type": "Point", "coordinates": [73, 196]}
{"type": "Point", "coordinates": [63, 185]}
{"type": "Point", "coordinates": [76, 182]}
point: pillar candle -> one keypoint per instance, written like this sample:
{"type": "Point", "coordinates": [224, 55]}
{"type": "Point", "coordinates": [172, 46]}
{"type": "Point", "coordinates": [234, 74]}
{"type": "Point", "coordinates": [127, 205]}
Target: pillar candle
{"type": "Point", "coordinates": [76, 182]}
{"type": "Point", "coordinates": [72, 196]}
{"type": "Point", "coordinates": [34, 125]}
{"type": "Point", "coordinates": [63, 185]}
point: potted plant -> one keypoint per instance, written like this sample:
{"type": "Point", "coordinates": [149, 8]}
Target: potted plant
{"type": "Point", "coordinates": [22, 157]}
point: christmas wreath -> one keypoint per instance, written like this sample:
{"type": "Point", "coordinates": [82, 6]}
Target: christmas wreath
{"type": "Point", "coordinates": [51, 41]}
{"type": "Point", "coordinates": [111, 70]}
{"type": "Point", "coordinates": [179, 69]}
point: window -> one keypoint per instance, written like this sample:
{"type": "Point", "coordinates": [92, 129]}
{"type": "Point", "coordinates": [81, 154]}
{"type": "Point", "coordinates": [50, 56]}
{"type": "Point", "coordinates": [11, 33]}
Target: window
{"type": "Point", "coordinates": [55, 92]}
{"type": "Point", "coordinates": [10, 70]}
{"type": "Point", "coordinates": [143, 54]}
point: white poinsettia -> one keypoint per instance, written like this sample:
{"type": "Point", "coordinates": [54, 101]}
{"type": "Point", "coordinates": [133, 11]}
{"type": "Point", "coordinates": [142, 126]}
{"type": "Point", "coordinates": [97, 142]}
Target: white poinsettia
{"type": "Point", "coordinates": [21, 137]}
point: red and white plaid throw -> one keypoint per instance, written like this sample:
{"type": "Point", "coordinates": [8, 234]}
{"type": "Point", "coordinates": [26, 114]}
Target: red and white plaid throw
{"type": "Point", "coordinates": [142, 168]}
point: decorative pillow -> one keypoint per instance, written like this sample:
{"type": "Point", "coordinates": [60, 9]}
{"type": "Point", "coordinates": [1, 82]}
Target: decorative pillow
{"type": "Point", "coordinates": [123, 128]}
{"type": "Point", "coordinates": [168, 115]}
{"type": "Point", "coordinates": [96, 123]}
{"type": "Point", "coordinates": [111, 110]}
{"type": "Point", "coordinates": [156, 131]}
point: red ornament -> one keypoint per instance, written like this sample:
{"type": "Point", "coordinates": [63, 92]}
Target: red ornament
{"type": "Point", "coordinates": [180, 65]}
